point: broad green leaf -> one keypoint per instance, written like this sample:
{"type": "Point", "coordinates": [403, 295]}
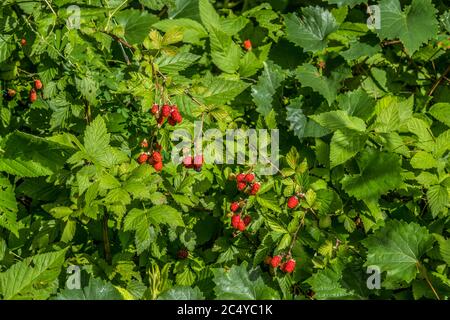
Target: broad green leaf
{"type": "Point", "coordinates": [174, 64]}
{"type": "Point", "coordinates": [136, 24]}
{"type": "Point", "coordinates": [8, 206]}
{"type": "Point", "coordinates": [441, 111]}
{"type": "Point", "coordinates": [338, 120]}
{"type": "Point", "coordinates": [379, 173]}
{"type": "Point", "coordinates": [414, 26]}
{"type": "Point", "coordinates": [182, 293]}
{"type": "Point", "coordinates": [240, 284]}
{"type": "Point", "coordinates": [97, 289]}
{"type": "Point", "coordinates": [35, 277]}
{"type": "Point", "coordinates": [397, 249]}
{"type": "Point", "coordinates": [423, 160]}
{"type": "Point", "coordinates": [438, 199]}
{"type": "Point", "coordinates": [345, 144]}
{"type": "Point", "coordinates": [310, 31]}
{"type": "Point", "coordinates": [264, 91]}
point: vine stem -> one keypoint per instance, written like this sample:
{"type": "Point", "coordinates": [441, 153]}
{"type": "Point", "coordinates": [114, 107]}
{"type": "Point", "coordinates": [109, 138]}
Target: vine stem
{"type": "Point", "coordinates": [424, 272]}
{"type": "Point", "coordinates": [438, 81]}
{"type": "Point", "coordinates": [294, 238]}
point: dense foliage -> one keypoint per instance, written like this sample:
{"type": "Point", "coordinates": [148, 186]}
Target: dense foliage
{"type": "Point", "coordinates": [363, 179]}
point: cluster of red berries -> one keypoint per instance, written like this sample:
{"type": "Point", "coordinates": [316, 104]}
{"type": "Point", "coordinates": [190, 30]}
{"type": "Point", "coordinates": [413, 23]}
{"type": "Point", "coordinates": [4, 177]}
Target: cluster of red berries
{"type": "Point", "coordinates": [245, 183]}
{"type": "Point", "coordinates": [277, 261]}
{"type": "Point", "coordinates": [237, 221]}
{"type": "Point", "coordinates": [195, 163]}
{"type": "Point", "coordinates": [166, 112]}
{"type": "Point", "coordinates": [154, 158]}
{"type": "Point", "coordinates": [33, 93]}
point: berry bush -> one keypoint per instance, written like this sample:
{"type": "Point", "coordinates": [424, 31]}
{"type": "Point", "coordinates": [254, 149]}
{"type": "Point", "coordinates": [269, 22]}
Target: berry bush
{"type": "Point", "coordinates": [94, 91]}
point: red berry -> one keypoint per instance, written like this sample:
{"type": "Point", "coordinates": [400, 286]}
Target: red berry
{"type": "Point", "coordinates": [198, 161]}
{"type": "Point", "coordinates": [188, 162]}
{"type": "Point", "coordinates": [255, 188]}
{"type": "Point", "coordinates": [247, 220]}
{"type": "Point", "coordinates": [240, 177]}
{"type": "Point", "coordinates": [23, 42]}
{"type": "Point", "coordinates": [182, 254]}
{"type": "Point", "coordinates": [33, 95]}
{"type": "Point", "coordinates": [161, 120]}
{"type": "Point", "coordinates": [292, 202]}
{"type": "Point", "coordinates": [176, 116]}
{"type": "Point", "coordinates": [172, 121]}
{"type": "Point", "coordinates": [241, 226]}
{"type": "Point", "coordinates": [155, 108]}
{"type": "Point", "coordinates": [235, 219]}
{"type": "Point", "coordinates": [248, 45]}
{"type": "Point", "coordinates": [234, 206]}
{"type": "Point", "coordinates": [249, 177]}
{"type": "Point", "coordinates": [289, 266]}
{"type": "Point", "coordinates": [241, 186]}
{"type": "Point", "coordinates": [38, 84]}
{"type": "Point", "coordinates": [158, 166]}
{"type": "Point", "coordinates": [142, 158]}
{"type": "Point", "coordinates": [173, 108]}
{"type": "Point", "coordinates": [275, 261]}
{"type": "Point", "coordinates": [144, 143]}
{"type": "Point", "coordinates": [156, 156]}
{"type": "Point", "coordinates": [165, 110]}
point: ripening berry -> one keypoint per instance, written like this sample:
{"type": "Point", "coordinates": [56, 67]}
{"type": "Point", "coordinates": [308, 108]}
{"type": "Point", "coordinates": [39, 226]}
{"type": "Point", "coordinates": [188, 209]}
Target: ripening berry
{"type": "Point", "coordinates": [268, 260]}
{"type": "Point", "coordinates": [158, 166]}
{"type": "Point", "coordinates": [142, 158]}
{"type": "Point", "coordinates": [182, 254]}
{"type": "Point", "coordinates": [241, 186]}
{"type": "Point", "coordinates": [165, 110]}
{"type": "Point", "coordinates": [289, 266]}
{"type": "Point", "coordinates": [11, 93]}
{"type": "Point", "coordinates": [175, 115]}
{"type": "Point", "coordinates": [172, 121]}
{"type": "Point", "coordinates": [240, 177]}
{"type": "Point", "coordinates": [188, 162]}
{"type": "Point", "coordinates": [158, 146]}
{"type": "Point", "coordinates": [234, 206]}
{"type": "Point", "coordinates": [275, 261]}
{"type": "Point", "coordinates": [33, 95]}
{"type": "Point", "coordinates": [248, 45]}
{"type": "Point", "coordinates": [255, 188]}
{"type": "Point", "coordinates": [247, 220]}
{"type": "Point", "coordinates": [144, 143]}
{"type": "Point", "coordinates": [198, 161]}
{"type": "Point", "coordinates": [156, 156]}
{"type": "Point", "coordinates": [154, 109]}
{"type": "Point", "coordinates": [161, 120]}
{"type": "Point", "coordinates": [38, 84]}
{"type": "Point", "coordinates": [292, 202]}
{"type": "Point", "coordinates": [23, 42]}
{"type": "Point", "coordinates": [241, 226]}
{"type": "Point", "coordinates": [249, 177]}
{"type": "Point", "coordinates": [235, 219]}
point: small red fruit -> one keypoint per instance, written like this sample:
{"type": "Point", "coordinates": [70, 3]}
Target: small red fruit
{"type": "Point", "coordinates": [33, 95]}
{"type": "Point", "coordinates": [234, 206]}
{"type": "Point", "coordinates": [275, 261]}
{"type": "Point", "coordinates": [241, 226]}
{"type": "Point", "coordinates": [235, 219]}
{"type": "Point", "coordinates": [289, 266]}
{"type": "Point", "coordinates": [198, 161]}
{"type": "Point", "coordinates": [188, 162]}
{"type": "Point", "coordinates": [247, 220]}
{"type": "Point", "coordinates": [23, 42]}
{"type": "Point", "coordinates": [248, 45]}
{"type": "Point", "coordinates": [156, 156]}
{"type": "Point", "coordinates": [155, 108]}
{"type": "Point", "coordinates": [158, 166]}
{"type": "Point", "coordinates": [142, 158]}
{"type": "Point", "coordinates": [38, 84]}
{"type": "Point", "coordinates": [165, 110]}
{"type": "Point", "coordinates": [255, 188]}
{"type": "Point", "coordinates": [292, 202]}
{"type": "Point", "coordinates": [172, 121]}
{"type": "Point", "coordinates": [249, 177]}
{"type": "Point", "coordinates": [175, 115]}
{"type": "Point", "coordinates": [241, 186]}
{"type": "Point", "coordinates": [240, 177]}
{"type": "Point", "coordinates": [182, 254]}
{"type": "Point", "coordinates": [161, 120]}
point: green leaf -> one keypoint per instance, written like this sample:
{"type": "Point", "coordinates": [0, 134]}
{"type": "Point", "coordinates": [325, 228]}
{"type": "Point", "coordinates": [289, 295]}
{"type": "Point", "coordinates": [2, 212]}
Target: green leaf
{"type": "Point", "coordinates": [441, 111]}
{"type": "Point", "coordinates": [96, 141]}
{"type": "Point", "coordinates": [438, 199]}
{"type": "Point", "coordinates": [97, 289]}
{"type": "Point", "coordinates": [414, 26]}
{"type": "Point", "coordinates": [174, 64]}
{"type": "Point", "coordinates": [264, 91]}
{"type": "Point", "coordinates": [379, 173]}
{"type": "Point", "coordinates": [328, 87]}
{"type": "Point", "coordinates": [311, 30]}
{"type": "Point", "coordinates": [397, 249]}
{"type": "Point", "coordinates": [8, 206]}
{"type": "Point", "coordinates": [350, 3]}
{"type": "Point", "coordinates": [182, 293]}
{"type": "Point", "coordinates": [296, 118]}
{"type": "Point", "coordinates": [219, 91]}
{"type": "Point", "coordinates": [136, 24]}
{"type": "Point", "coordinates": [35, 277]}
{"type": "Point", "coordinates": [423, 160]}
{"type": "Point", "coordinates": [239, 284]}
{"type": "Point", "coordinates": [166, 215]}
{"type": "Point", "coordinates": [208, 15]}
{"type": "Point", "coordinates": [345, 145]}
{"type": "Point", "coordinates": [338, 120]}
{"type": "Point", "coordinates": [6, 46]}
